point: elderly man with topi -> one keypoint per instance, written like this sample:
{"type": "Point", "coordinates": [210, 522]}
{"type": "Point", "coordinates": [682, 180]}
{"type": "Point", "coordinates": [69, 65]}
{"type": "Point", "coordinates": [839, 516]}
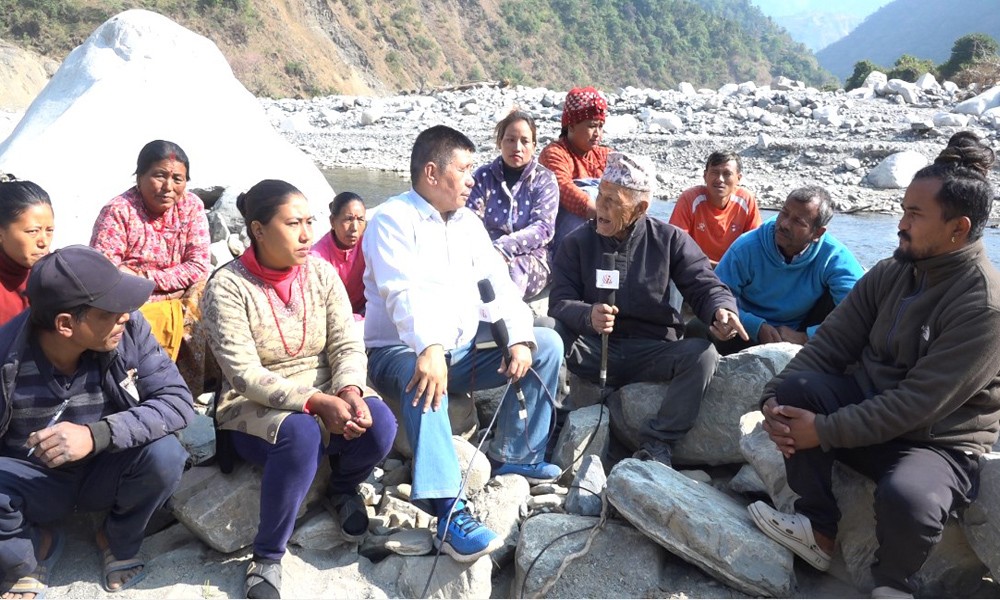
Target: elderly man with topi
{"type": "Point", "coordinates": [901, 383]}
{"type": "Point", "coordinates": [644, 332]}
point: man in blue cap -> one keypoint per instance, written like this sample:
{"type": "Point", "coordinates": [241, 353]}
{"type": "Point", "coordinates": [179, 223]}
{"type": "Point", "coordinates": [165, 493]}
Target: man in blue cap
{"type": "Point", "coordinates": [89, 400]}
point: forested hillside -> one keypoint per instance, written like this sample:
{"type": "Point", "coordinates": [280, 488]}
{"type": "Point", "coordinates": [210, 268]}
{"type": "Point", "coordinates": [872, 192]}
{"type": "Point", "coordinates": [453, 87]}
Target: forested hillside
{"type": "Point", "coordinates": [925, 29]}
{"type": "Point", "coordinates": [310, 47]}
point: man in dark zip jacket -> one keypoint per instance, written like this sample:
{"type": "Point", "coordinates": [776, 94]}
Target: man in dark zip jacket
{"type": "Point", "coordinates": [644, 331]}
{"type": "Point", "coordinates": [902, 382]}
{"type": "Point", "coordinates": [89, 400]}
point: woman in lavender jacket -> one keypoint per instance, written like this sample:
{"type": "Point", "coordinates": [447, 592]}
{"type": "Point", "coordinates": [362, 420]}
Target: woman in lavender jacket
{"type": "Point", "coordinates": [517, 198]}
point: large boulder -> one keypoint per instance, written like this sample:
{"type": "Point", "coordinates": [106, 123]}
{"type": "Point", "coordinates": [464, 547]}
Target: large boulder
{"type": "Point", "coordinates": [734, 391]}
{"type": "Point", "coordinates": [701, 525]}
{"type": "Point", "coordinates": [896, 171]}
{"type": "Point", "coordinates": [952, 568]}
{"type": "Point", "coordinates": [981, 103]}
{"type": "Point", "coordinates": [140, 77]}
{"type": "Point", "coordinates": [766, 460]}
{"type": "Point", "coordinates": [981, 521]}
{"type": "Point", "coordinates": [501, 506]}
{"type": "Point", "coordinates": [634, 560]}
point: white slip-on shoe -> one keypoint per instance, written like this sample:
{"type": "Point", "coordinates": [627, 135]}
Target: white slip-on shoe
{"type": "Point", "coordinates": [793, 531]}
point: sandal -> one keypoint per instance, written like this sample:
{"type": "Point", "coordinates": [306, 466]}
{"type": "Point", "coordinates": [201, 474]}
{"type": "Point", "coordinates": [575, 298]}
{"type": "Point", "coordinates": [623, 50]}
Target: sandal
{"type": "Point", "coordinates": [263, 579]}
{"type": "Point", "coordinates": [37, 582]}
{"type": "Point", "coordinates": [793, 531]}
{"type": "Point", "coordinates": [113, 565]}
{"type": "Point", "coordinates": [350, 512]}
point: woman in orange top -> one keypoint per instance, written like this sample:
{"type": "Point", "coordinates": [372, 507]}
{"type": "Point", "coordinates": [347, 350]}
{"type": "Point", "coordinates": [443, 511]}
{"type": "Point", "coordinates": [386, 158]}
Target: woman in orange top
{"type": "Point", "coordinates": [577, 159]}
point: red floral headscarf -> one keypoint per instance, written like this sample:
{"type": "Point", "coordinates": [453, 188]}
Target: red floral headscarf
{"type": "Point", "coordinates": [583, 104]}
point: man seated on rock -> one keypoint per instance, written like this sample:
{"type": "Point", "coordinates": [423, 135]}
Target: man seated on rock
{"type": "Point", "coordinates": [900, 383]}
{"type": "Point", "coordinates": [426, 256]}
{"type": "Point", "coordinates": [644, 332]}
{"type": "Point", "coordinates": [788, 274]}
{"type": "Point", "coordinates": [89, 402]}
{"type": "Point", "coordinates": [717, 213]}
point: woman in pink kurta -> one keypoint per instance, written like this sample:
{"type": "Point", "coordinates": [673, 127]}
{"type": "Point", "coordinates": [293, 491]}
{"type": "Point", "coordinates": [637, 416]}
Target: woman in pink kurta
{"type": "Point", "coordinates": [158, 230]}
{"type": "Point", "coordinates": [342, 247]}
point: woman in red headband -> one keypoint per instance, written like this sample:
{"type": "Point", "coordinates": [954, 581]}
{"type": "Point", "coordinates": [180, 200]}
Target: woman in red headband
{"type": "Point", "coordinates": [577, 159]}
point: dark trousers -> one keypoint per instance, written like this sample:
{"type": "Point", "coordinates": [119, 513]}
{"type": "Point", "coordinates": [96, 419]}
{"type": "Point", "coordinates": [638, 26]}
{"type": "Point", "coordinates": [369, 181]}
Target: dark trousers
{"type": "Point", "coordinates": [290, 465]}
{"type": "Point", "coordinates": [687, 364]}
{"type": "Point", "coordinates": [917, 485]}
{"type": "Point", "coordinates": [132, 483]}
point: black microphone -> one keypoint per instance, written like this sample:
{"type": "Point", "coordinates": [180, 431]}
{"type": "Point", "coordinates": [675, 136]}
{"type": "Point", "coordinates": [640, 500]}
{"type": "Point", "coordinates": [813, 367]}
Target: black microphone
{"type": "Point", "coordinates": [607, 284]}
{"type": "Point", "coordinates": [498, 328]}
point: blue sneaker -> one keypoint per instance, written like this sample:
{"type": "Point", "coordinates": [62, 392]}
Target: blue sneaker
{"type": "Point", "coordinates": [466, 539]}
{"type": "Point", "coordinates": [542, 472]}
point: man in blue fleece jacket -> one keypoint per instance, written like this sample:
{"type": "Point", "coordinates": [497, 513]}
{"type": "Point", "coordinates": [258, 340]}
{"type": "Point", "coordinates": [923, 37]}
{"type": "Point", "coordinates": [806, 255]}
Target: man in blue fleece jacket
{"type": "Point", "coordinates": [789, 273]}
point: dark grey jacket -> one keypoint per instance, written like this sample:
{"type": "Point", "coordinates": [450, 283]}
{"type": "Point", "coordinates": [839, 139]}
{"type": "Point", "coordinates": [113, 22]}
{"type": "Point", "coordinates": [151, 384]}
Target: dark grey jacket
{"type": "Point", "coordinates": [164, 404]}
{"type": "Point", "coordinates": [653, 254]}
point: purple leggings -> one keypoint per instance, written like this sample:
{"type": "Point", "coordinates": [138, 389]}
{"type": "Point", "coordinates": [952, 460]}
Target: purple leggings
{"type": "Point", "coordinates": [290, 465]}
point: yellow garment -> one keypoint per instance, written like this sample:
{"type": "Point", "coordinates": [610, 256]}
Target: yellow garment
{"type": "Point", "coordinates": [166, 319]}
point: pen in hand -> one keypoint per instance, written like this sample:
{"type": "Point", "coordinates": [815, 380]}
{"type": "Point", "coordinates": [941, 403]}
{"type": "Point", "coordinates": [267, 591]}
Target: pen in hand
{"type": "Point", "coordinates": [52, 421]}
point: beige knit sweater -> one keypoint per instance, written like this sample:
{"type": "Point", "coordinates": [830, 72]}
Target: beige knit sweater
{"type": "Point", "coordinates": [269, 379]}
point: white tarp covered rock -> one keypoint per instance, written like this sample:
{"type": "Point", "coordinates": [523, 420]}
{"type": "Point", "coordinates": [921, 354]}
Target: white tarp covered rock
{"type": "Point", "coordinates": [137, 78]}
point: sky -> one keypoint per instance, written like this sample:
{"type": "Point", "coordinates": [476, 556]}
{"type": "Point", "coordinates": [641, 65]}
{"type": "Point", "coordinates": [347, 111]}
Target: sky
{"type": "Point", "coordinates": [780, 8]}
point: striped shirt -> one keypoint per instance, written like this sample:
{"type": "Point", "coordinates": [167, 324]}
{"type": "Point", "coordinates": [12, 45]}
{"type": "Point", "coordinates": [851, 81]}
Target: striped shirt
{"type": "Point", "coordinates": [41, 391]}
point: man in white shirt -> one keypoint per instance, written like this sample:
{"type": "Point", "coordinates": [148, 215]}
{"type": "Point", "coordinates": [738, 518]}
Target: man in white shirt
{"type": "Point", "coordinates": [426, 255]}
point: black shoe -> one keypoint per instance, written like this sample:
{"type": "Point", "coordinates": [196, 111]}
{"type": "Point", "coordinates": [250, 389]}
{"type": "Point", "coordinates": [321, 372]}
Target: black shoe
{"type": "Point", "coordinates": [661, 453]}
{"type": "Point", "coordinates": [349, 510]}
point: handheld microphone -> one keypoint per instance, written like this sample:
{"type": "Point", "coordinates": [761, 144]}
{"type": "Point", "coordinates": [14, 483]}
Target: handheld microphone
{"type": "Point", "coordinates": [607, 284]}
{"type": "Point", "coordinates": [498, 328]}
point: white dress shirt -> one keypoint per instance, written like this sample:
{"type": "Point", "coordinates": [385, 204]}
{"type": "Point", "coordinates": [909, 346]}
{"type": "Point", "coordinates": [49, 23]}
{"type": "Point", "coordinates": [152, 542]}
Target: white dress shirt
{"type": "Point", "coordinates": [422, 273]}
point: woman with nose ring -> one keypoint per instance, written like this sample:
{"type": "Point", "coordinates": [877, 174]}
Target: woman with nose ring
{"type": "Point", "coordinates": [517, 198]}
{"type": "Point", "coordinates": [342, 247]}
{"type": "Point", "coordinates": [158, 230]}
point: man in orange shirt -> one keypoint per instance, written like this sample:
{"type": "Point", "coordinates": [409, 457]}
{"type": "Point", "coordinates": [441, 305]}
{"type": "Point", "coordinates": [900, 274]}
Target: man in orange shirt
{"type": "Point", "coordinates": [717, 213]}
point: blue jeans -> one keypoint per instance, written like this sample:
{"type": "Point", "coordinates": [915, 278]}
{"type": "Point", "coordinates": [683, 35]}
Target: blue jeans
{"type": "Point", "coordinates": [436, 473]}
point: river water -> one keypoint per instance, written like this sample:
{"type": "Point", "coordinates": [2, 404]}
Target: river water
{"type": "Point", "coordinates": [870, 237]}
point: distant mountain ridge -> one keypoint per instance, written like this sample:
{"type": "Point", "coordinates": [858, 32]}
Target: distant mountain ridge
{"type": "Point", "coordinates": [817, 30]}
{"type": "Point", "coordinates": [922, 28]}
{"type": "Point", "coordinates": [317, 47]}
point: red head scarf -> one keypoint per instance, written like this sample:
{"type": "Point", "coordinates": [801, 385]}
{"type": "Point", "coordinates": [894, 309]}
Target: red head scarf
{"type": "Point", "coordinates": [583, 104]}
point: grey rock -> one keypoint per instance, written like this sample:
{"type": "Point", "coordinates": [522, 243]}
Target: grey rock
{"type": "Point", "coordinates": [371, 116]}
{"type": "Point", "coordinates": [585, 431]}
{"type": "Point", "coordinates": [584, 497]}
{"type": "Point", "coordinates": [897, 170]}
{"type": "Point", "coordinates": [697, 475]}
{"type": "Point", "coordinates": [410, 542]}
{"type": "Point", "coordinates": [222, 510]}
{"type": "Point", "coordinates": [875, 79]}
{"type": "Point", "coordinates": [921, 125]}
{"type": "Point", "coordinates": [686, 88]}
{"type": "Point", "coordinates": [548, 488]}
{"type": "Point", "coordinates": [220, 253]}
{"type": "Point", "coordinates": [701, 525]}
{"type": "Point", "coordinates": [852, 164]}
{"type": "Point", "coordinates": [950, 120]}
{"type": "Point", "coordinates": [499, 506]}
{"type": "Point", "coordinates": [926, 82]}
{"type": "Point", "coordinates": [906, 90]}
{"type": "Point", "coordinates": [764, 141]}
{"type": "Point", "coordinates": [981, 103]}
{"type": "Point", "coordinates": [635, 561]}
{"type": "Point", "coordinates": [734, 391]}
{"type": "Point", "coordinates": [747, 482]}
{"type": "Point", "coordinates": [218, 230]}
{"type": "Point", "coordinates": [545, 501]}
{"type": "Point", "coordinates": [322, 532]}
{"type": "Point", "coordinates": [401, 513]}
{"type": "Point", "coordinates": [952, 569]}
{"type": "Point", "coordinates": [582, 393]}
{"type": "Point", "coordinates": [981, 521]}
{"type": "Point", "coordinates": [766, 460]}
{"type": "Point", "coordinates": [198, 438]}
{"type": "Point", "coordinates": [407, 576]}
{"type": "Point", "coordinates": [474, 465]}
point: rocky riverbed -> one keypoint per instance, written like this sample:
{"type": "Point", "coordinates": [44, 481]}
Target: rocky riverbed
{"type": "Point", "coordinates": [788, 135]}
